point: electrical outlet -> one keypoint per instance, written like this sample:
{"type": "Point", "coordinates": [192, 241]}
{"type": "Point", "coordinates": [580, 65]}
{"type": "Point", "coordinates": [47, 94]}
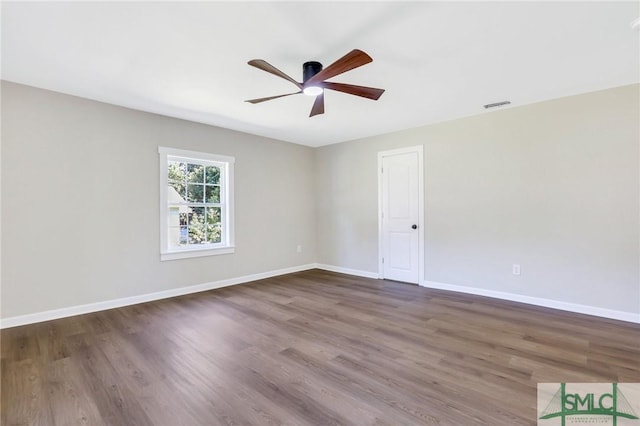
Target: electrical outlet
{"type": "Point", "coordinates": [515, 269]}
{"type": "Point", "coordinates": [299, 249]}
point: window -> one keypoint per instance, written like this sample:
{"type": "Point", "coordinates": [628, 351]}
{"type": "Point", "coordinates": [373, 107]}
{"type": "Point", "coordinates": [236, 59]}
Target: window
{"type": "Point", "coordinates": [196, 204]}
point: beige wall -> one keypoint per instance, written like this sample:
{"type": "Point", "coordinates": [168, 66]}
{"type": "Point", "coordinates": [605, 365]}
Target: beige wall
{"type": "Point", "coordinates": [552, 186]}
{"type": "Point", "coordinates": [80, 198]}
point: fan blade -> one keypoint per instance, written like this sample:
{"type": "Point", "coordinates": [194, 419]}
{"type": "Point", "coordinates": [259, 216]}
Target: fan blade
{"type": "Point", "coordinates": [257, 101]}
{"type": "Point", "coordinates": [354, 59]}
{"type": "Point", "coordinates": [318, 105]}
{"type": "Point", "coordinates": [365, 92]}
{"type": "Point", "coordinates": [265, 66]}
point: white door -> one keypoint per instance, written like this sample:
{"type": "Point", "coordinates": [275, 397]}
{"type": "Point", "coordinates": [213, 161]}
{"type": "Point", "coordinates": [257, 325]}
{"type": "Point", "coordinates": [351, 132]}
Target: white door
{"type": "Point", "coordinates": [401, 221]}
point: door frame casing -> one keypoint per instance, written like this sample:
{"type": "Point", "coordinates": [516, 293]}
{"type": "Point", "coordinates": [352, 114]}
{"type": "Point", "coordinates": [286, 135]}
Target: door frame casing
{"type": "Point", "coordinates": [421, 220]}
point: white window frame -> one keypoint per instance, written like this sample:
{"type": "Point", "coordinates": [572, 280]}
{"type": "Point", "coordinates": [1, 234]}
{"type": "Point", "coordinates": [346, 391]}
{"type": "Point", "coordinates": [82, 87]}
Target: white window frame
{"type": "Point", "coordinates": [226, 164]}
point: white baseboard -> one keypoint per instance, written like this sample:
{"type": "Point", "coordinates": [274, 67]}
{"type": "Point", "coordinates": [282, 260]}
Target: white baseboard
{"type": "Point", "coordinates": [538, 301]}
{"type": "Point", "coordinates": [134, 300]}
{"type": "Point", "coordinates": [347, 271]}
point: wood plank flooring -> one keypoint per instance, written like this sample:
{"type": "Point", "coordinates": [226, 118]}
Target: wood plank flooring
{"type": "Point", "coordinates": [311, 348]}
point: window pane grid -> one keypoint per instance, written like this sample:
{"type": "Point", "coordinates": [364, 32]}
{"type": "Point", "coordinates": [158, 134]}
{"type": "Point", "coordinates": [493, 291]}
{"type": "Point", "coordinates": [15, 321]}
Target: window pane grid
{"type": "Point", "coordinates": [196, 225]}
{"type": "Point", "coordinates": [196, 190]}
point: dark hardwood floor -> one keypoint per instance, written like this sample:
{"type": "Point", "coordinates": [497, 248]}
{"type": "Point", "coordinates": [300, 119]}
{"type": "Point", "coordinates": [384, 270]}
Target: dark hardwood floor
{"type": "Point", "coordinates": [311, 348]}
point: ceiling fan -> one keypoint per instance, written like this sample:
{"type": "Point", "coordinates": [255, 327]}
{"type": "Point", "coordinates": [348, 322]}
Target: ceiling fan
{"type": "Point", "coordinates": [314, 79]}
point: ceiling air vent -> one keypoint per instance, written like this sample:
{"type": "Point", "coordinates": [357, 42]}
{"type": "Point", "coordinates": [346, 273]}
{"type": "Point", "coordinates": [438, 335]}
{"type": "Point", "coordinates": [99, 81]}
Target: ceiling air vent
{"type": "Point", "coordinates": [497, 104]}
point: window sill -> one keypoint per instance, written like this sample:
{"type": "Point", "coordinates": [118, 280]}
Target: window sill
{"type": "Point", "coordinates": [185, 254]}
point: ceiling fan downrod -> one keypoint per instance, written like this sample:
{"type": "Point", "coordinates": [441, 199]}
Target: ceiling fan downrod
{"type": "Point", "coordinates": [309, 69]}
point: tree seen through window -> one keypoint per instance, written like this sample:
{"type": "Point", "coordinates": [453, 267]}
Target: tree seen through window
{"type": "Point", "coordinates": [198, 203]}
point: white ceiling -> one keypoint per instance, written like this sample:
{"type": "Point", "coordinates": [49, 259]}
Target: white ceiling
{"type": "Point", "coordinates": [437, 60]}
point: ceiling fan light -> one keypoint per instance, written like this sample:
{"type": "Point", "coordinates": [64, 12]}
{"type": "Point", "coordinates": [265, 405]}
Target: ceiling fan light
{"type": "Point", "coordinates": [312, 90]}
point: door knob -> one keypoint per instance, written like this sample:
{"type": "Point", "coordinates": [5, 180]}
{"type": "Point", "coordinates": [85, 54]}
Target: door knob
{"type": "Point", "coordinates": [414, 226]}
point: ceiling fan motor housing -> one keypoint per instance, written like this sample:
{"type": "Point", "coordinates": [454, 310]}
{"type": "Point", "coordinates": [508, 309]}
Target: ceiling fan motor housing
{"type": "Point", "coordinates": [309, 69]}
